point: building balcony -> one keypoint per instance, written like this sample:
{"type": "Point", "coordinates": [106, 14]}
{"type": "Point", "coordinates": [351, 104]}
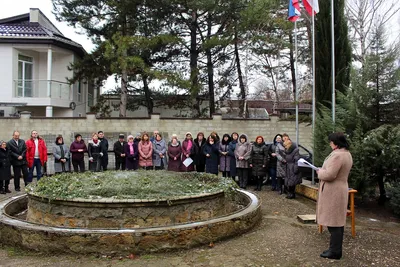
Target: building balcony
{"type": "Point", "coordinates": [43, 93]}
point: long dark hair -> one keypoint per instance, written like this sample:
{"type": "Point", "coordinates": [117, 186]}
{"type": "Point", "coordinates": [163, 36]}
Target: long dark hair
{"type": "Point", "coordinates": [223, 139]}
{"type": "Point", "coordinates": [339, 139]}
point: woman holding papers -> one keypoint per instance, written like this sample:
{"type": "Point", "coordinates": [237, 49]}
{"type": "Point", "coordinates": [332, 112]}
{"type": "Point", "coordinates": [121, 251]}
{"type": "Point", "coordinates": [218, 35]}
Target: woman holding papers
{"type": "Point", "coordinates": [187, 152]}
{"type": "Point", "coordinates": [333, 193]}
{"type": "Point", "coordinates": [292, 177]}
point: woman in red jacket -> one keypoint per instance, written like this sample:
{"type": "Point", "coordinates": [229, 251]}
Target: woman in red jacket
{"type": "Point", "coordinates": [36, 155]}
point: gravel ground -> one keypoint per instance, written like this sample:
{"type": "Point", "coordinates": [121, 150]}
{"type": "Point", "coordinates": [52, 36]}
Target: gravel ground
{"type": "Point", "coordinates": [279, 240]}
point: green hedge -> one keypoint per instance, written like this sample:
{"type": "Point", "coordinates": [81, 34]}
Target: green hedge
{"type": "Point", "coordinates": [129, 185]}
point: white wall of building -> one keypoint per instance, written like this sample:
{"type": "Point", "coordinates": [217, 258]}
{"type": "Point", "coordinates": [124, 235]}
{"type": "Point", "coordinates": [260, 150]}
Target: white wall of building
{"type": "Point", "coordinates": [6, 72]}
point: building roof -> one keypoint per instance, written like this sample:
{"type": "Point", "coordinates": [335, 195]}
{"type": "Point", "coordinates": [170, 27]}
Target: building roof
{"type": "Point", "coordinates": [35, 28]}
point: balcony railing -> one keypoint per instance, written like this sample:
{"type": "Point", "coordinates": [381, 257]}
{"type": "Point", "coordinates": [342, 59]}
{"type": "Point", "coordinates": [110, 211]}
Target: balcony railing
{"type": "Point", "coordinates": [42, 89]}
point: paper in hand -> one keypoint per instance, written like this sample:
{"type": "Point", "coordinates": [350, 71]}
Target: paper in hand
{"type": "Point", "coordinates": [304, 163]}
{"type": "Point", "coordinates": [187, 162]}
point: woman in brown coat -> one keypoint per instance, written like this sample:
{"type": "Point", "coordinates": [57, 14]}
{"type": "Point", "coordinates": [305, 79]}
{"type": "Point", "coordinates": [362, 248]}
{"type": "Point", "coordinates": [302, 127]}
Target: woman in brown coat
{"type": "Point", "coordinates": [333, 193]}
{"type": "Point", "coordinates": [292, 177]}
{"type": "Point", "coordinates": [145, 148]}
{"type": "Point", "coordinates": [174, 154]}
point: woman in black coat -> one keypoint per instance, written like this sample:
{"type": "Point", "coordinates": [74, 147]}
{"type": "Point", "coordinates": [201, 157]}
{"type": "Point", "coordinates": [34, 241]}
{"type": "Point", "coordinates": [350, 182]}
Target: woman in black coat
{"type": "Point", "coordinates": [95, 151]}
{"type": "Point", "coordinates": [231, 153]}
{"type": "Point", "coordinates": [5, 168]}
{"type": "Point", "coordinates": [212, 155]}
{"type": "Point", "coordinates": [132, 154]}
{"type": "Point", "coordinates": [259, 161]}
{"type": "Point", "coordinates": [199, 158]}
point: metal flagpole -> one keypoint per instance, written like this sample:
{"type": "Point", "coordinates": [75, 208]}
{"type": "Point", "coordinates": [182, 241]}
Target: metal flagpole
{"type": "Point", "coordinates": [333, 65]}
{"type": "Point", "coordinates": [313, 90]}
{"type": "Point", "coordinates": [295, 84]}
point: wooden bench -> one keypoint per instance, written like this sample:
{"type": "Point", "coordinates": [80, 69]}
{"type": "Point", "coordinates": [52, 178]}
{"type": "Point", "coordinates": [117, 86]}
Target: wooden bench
{"type": "Point", "coordinates": [350, 213]}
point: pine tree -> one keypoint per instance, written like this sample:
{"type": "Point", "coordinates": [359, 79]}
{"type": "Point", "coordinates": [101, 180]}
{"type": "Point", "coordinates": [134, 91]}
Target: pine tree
{"type": "Point", "coordinates": [323, 51]}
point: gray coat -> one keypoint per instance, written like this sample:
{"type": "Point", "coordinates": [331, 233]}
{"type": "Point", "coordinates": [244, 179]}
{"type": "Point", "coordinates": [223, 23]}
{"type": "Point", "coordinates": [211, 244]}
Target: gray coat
{"type": "Point", "coordinates": [243, 150]}
{"type": "Point", "coordinates": [159, 147]}
{"type": "Point", "coordinates": [280, 156]}
{"type": "Point", "coordinates": [292, 169]}
{"type": "Point", "coordinates": [224, 160]}
{"type": "Point", "coordinates": [58, 166]}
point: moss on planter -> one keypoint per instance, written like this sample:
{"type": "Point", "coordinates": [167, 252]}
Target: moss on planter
{"type": "Point", "coordinates": [129, 185]}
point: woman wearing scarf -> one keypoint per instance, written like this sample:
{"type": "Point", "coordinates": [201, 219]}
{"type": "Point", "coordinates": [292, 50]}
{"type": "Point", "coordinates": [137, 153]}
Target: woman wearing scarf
{"type": "Point", "coordinates": [131, 151]}
{"type": "Point", "coordinates": [242, 155]}
{"type": "Point", "coordinates": [292, 177]}
{"type": "Point", "coordinates": [159, 153]}
{"type": "Point", "coordinates": [95, 153]}
{"type": "Point", "coordinates": [174, 154]}
{"type": "Point", "coordinates": [61, 156]}
{"type": "Point", "coordinates": [199, 157]}
{"type": "Point", "coordinates": [5, 168]}
{"type": "Point", "coordinates": [145, 152]}
{"type": "Point", "coordinates": [225, 158]}
{"type": "Point", "coordinates": [231, 153]}
{"type": "Point", "coordinates": [187, 152]}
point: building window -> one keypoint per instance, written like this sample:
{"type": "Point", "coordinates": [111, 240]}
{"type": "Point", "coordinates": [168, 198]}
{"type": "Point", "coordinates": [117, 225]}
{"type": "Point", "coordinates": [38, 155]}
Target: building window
{"type": "Point", "coordinates": [25, 76]}
{"type": "Point", "coordinates": [2, 113]}
{"type": "Point", "coordinates": [79, 91]}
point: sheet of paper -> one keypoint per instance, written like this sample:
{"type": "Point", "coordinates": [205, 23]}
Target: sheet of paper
{"type": "Point", "coordinates": [187, 162]}
{"type": "Point", "coordinates": [304, 163]}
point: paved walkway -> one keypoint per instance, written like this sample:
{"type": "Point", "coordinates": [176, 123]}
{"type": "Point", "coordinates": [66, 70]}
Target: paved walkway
{"type": "Point", "coordinates": [279, 240]}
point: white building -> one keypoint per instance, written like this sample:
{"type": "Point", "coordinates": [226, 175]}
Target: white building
{"type": "Point", "coordinates": [34, 73]}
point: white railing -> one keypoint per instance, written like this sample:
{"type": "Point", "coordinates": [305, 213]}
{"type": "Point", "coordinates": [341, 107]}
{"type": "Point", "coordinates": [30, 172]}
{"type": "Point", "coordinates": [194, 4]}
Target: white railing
{"type": "Point", "coordinates": [42, 89]}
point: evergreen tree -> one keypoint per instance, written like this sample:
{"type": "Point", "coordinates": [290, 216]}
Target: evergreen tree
{"type": "Point", "coordinates": [323, 51]}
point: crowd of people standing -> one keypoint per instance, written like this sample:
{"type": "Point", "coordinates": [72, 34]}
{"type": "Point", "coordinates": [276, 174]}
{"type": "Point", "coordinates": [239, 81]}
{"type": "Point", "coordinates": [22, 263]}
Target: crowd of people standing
{"type": "Point", "coordinates": [234, 156]}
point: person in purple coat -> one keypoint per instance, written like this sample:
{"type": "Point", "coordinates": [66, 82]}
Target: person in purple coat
{"type": "Point", "coordinates": [224, 157]}
{"type": "Point", "coordinates": [174, 154]}
{"type": "Point", "coordinates": [78, 150]}
{"type": "Point", "coordinates": [132, 154]}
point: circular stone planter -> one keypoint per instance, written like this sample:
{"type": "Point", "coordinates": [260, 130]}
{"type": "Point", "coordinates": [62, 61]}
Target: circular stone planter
{"type": "Point", "coordinates": [127, 213]}
{"type": "Point", "coordinates": [15, 231]}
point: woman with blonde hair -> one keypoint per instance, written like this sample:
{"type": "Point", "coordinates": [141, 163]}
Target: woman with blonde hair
{"type": "Point", "coordinates": [292, 177]}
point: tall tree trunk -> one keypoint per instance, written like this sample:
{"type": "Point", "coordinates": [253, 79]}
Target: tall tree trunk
{"type": "Point", "coordinates": [210, 71]}
{"type": "Point", "coordinates": [124, 79]}
{"type": "Point", "coordinates": [194, 72]}
{"type": "Point", "coordinates": [147, 95]}
{"type": "Point", "coordinates": [124, 93]}
{"type": "Point", "coordinates": [242, 111]}
{"type": "Point", "coordinates": [381, 184]}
